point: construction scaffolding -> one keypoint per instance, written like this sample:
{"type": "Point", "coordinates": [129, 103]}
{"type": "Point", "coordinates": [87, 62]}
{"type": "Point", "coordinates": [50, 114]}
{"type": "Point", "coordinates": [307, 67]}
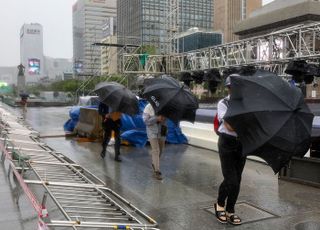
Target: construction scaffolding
{"type": "Point", "coordinates": [172, 26]}
{"type": "Point", "coordinates": [70, 195]}
{"type": "Point", "coordinates": [272, 51]}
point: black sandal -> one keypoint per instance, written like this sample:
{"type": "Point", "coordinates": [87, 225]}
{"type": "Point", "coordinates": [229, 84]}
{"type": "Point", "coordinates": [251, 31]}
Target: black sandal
{"type": "Point", "coordinates": [220, 214]}
{"type": "Point", "coordinates": [234, 219]}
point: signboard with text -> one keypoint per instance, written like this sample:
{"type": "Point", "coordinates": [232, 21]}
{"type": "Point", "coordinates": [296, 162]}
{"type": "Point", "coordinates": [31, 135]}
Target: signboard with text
{"type": "Point", "coordinates": [33, 31]}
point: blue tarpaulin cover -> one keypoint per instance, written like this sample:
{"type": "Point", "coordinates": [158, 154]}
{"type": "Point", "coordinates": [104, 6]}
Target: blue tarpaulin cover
{"type": "Point", "coordinates": [74, 118]}
{"type": "Point", "coordinates": [133, 128]}
{"type": "Point", "coordinates": [74, 114]}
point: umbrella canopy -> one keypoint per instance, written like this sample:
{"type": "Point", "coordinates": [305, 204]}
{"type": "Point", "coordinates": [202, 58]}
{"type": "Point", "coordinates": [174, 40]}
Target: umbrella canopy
{"type": "Point", "coordinates": [24, 95]}
{"type": "Point", "coordinates": [171, 99]}
{"type": "Point", "coordinates": [270, 117]}
{"type": "Point", "coordinates": [118, 97]}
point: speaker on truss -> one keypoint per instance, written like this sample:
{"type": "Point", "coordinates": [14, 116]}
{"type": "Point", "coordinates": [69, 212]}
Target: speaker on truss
{"type": "Point", "coordinates": [229, 71]}
{"type": "Point", "coordinates": [247, 70]}
{"type": "Point", "coordinates": [302, 71]}
{"type": "Point", "coordinates": [297, 68]}
{"type": "Point", "coordinates": [308, 79]}
{"type": "Point", "coordinates": [298, 78]}
{"type": "Point", "coordinates": [186, 78]}
{"type": "Point", "coordinates": [213, 78]}
{"type": "Point", "coordinates": [212, 75]}
{"type": "Point", "coordinates": [213, 85]}
{"type": "Point", "coordinates": [198, 76]}
{"type": "Point", "coordinates": [313, 69]}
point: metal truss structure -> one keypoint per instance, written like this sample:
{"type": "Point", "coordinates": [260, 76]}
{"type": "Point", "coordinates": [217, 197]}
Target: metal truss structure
{"type": "Point", "coordinates": [172, 26]}
{"type": "Point", "coordinates": [272, 51]}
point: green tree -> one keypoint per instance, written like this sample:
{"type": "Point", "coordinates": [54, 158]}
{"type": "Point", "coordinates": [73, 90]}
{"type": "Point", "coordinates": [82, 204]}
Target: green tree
{"type": "Point", "coordinates": [65, 86]}
{"type": "Point", "coordinates": [148, 49]}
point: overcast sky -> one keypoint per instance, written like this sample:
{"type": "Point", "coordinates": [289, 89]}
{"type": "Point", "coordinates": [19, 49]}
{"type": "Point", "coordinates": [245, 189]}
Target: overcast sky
{"type": "Point", "coordinates": [54, 15]}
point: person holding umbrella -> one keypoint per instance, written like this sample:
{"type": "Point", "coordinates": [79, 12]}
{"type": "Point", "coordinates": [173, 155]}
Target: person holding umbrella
{"type": "Point", "coordinates": [115, 99]}
{"type": "Point", "coordinates": [111, 121]}
{"type": "Point", "coordinates": [156, 132]}
{"type": "Point", "coordinates": [232, 164]}
{"type": "Point", "coordinates": [256, 100]}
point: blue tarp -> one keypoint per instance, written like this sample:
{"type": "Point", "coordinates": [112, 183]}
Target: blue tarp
{"type": "Point", "coordinates": [133, 128]}
{"type": "Point", "coordinates": [136, 137]}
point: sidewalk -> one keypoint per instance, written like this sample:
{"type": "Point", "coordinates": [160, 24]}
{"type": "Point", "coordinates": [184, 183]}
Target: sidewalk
{"type": "Point", "coordinates": [183, 200]}
{"type": "Point", "coordinates": [14, 216]}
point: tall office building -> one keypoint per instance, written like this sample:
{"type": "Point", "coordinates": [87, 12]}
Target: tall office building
{"type": "Point", "coordinates": [147, 20]}
{"type": "Point", "coordinates": [37, 66]}
{"type": "Point", "coordinates": [109, 62]}
{"type": "Point", "coordinates": [194, 39]}
{"type": "Point", "coordinates": [227, 13]}
{"type": "Point", "coordinates": [88, 19]}
{"type": "Point", "coordinates": [31, 51]}
{"type": "Point", "coordinates": [277, 15]}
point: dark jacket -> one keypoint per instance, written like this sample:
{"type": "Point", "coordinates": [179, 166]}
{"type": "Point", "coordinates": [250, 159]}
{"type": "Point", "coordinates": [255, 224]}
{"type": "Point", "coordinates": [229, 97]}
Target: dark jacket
{"type": "Point", "coordinates": [103, 109]}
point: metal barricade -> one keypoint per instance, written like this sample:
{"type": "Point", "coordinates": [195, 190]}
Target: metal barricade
{"type": "Point", "coordinates": [81, 198]}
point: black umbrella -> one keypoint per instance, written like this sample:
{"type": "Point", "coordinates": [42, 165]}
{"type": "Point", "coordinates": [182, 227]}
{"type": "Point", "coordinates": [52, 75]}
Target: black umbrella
{"type": "Point", "coordinates": [118, 97]}
{"type": "Point", "coordinates": [270, 117]}
{"type": "Point", "coordinates": [171, 99]}
{"type": "Point", "coordinates": [24, 95]}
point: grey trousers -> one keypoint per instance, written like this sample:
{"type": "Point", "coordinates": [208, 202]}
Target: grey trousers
{"type": "Point", "coordinates": [157, 146]}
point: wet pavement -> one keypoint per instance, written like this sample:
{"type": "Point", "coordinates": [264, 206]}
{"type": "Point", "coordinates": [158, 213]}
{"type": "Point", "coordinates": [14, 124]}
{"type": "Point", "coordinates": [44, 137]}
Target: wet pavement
{"type": "Point", "coordinates": [183, 200]}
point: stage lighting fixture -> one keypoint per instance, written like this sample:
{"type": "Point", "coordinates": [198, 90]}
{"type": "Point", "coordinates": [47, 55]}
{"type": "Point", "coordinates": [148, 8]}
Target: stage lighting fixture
{"type": "Point", "coordinates": [198, 76]}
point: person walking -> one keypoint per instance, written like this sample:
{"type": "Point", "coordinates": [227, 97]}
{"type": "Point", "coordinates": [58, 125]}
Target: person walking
{"type": "Point", "coordinates": [156, 132]}
{"type": "Point", "coordinates": [232, 164]}
{"type": "Point", "coordinates": [111, 121]}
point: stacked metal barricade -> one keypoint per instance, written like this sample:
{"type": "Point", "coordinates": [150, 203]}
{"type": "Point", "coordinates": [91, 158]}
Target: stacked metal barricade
{"type": "Point", "coordinates": [71, 197]}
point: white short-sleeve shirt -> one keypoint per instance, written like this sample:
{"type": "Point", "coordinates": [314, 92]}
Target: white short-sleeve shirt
{"type": "Point", "coordinates": [221, 110]}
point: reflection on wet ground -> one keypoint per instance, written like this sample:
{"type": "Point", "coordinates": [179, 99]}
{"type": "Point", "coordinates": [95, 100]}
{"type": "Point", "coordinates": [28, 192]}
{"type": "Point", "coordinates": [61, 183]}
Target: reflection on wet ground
{"type": "Point", "coordinates": [184, 198]}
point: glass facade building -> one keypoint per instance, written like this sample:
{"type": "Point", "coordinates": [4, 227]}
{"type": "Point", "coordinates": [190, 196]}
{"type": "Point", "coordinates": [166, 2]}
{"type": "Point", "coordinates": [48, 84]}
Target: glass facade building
{"type": "Point", "coordinates": [89, 17]}
{"type": "Point", "coordinates": [199, 40]}
{"type": "Point", "coordinates": [227, 13]}
{"type": "Point", "coordinates": [147, 19]}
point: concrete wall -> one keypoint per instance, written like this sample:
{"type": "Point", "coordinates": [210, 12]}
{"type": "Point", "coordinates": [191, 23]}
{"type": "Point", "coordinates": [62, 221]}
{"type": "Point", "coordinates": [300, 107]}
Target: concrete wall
{"type": "Point", "coordinates": [202, 135]}
{"type": "Point", "coordinates": [89, 124]}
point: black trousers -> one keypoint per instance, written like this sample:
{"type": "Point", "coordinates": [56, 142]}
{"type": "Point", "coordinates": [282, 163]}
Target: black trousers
{"type": "Point", "coordinates": [232, 164]}
{"type": "Point", "coordinates": [108, 126]}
